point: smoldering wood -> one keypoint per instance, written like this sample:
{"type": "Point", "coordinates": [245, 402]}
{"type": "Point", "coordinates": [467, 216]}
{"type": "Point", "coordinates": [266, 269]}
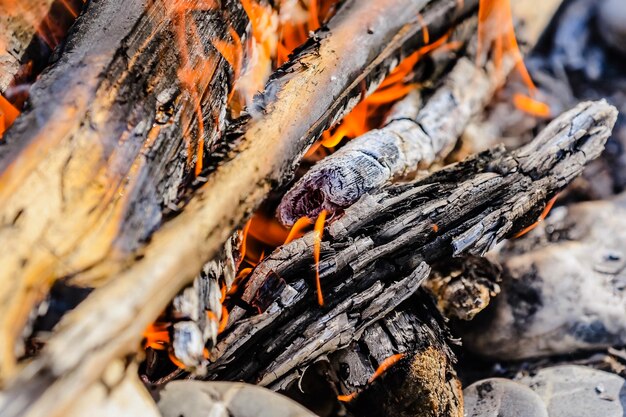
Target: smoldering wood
{"type": "Point", "coordinates": [103, 143]}
{"type": "Point", "coordinates": [376, 245]}
{"type": "Point", "coordinates": [419, 131]}
{"type": "Point", "coordinates": [193, 306]}
{"type": "Point", "coordinates": [96, 333]}
{"type": "Point", "coordinates": [422, 382]}
{"type": "Point", "coordinates": [225, 399]}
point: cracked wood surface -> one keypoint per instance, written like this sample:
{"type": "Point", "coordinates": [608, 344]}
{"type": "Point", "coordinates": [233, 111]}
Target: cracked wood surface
{"type": "Point", "coordinates": [96, 333]}
{"type": "Point", "coordinates": [86, 170]}
{"type": "Point", "coordinates": [418, 132]}
{"type": "Point", "coordinates": [380, 241]}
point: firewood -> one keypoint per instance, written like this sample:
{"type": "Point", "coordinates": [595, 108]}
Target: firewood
{"type": "Point", "coordinates": [413, 138]}
{"type": "Point", "coordinates": [379, 242]}
{"type": "Point", "coordinates": [108, 125]}
{"type": "Point", "coordinates": [19, 22]}
{"type": "Point", "coordinates": [284, 125]}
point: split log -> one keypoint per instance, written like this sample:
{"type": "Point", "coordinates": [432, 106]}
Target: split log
{"type": "Point", "coordinates": [413, 138]}
{"type": "Point", "coordinates": [372, 257]}
{"type": "Point", "coordinates": [104, 145]}
{"type": "Point", "coordinates": [144, 284]}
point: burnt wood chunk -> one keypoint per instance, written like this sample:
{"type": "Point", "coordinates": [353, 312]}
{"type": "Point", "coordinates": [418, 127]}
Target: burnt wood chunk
{"type": "Point", "coordinates": [141, 282]}
{"type": "Point", "coordinates": [377, 251]}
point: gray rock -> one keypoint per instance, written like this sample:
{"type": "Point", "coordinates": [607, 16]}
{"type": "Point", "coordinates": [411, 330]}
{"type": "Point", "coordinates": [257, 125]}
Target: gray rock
{"type": "Point", "coordinates": [496, 397]}
{"type": "Point", "coordinates": [225, 399]}
{"type": "Point", "coordinates": [612, 23]}
{"type": "Point", "coordinates": [577, 391]}
{"type": "Point", "coordinates": [563, 287]}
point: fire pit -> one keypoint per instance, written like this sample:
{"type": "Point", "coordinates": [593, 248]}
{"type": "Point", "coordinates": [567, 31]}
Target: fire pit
{"type": "Point", "coordinates": [311, 207]}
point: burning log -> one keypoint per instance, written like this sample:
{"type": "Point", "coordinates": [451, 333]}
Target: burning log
{"type": "Point", "coordinates": [114, 127]}
{"type": "Point", "coordinates": [373, 256]}
{"type": "Point", "coordinates": [28, 30]}
{"type": "Point", "coordinates": [411, 139]}
{"type": "Point", "coordinates": [151, 277]}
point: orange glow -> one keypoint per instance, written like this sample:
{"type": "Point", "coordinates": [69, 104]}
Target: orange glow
{"type": "Point", "coordinates": [382, 368]}
{"type": "Point", "coordinates": [317, 245]}
{"type": "Point", "coordinates": [223, 320]}
{"type": "Point", "coordinates": [8, 114]}
{"type": "Point", "coordinates": [496, 33]}
{"type": "Point", "coordinates": [156, 336]}
{"type": "Point", "coordinates": [297, 230]}
{"type": "Point", "coordinates": [294, 33]}
{"type": "Point", "coordinates": [394, 87]}
{"type": "Point", "coordinates": [531, 106]}
{"type": "Point", "coordinates": [435, 228]}
{"type": "Point", "coordinates": [542, 217]}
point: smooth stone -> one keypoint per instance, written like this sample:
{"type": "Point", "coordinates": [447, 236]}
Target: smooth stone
{"type": "Point", "coordinates": [563, 287]}
{"type": "Point", "coordinates": [497, 397]}
{"type": "Point", "coordinates": [612, 23]}
{"type": "Point", "coordinates": [578, 391]}
{"type": "Point", "coordinates": [225, 399]}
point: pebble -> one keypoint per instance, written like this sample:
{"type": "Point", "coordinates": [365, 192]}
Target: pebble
{"type": "Point", "coordinates": [225, 399]}
{"type": "Point", "coordinates": [563, 288]}
{"type": "Point", "coordinates": [496, 397]}
{"type": "Point", "coordinates": [578, 391]}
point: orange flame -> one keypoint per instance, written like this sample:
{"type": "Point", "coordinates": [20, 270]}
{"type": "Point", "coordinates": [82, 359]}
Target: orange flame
{"type": "Point", "coordinates": [394, 87]}
{"type": "Point", "coordinates": [156, 336]}
{"type": "Point", "coordinates": [541, 218]}
{"type": "Point", "coordinates": [531, 106]}
{"type": "Point", "coordinates": [319, 231]}
{"type": "Point", "coordinates": [496, 33]}
{"type": "Point", "coordinates": [8, 114]}
{"type": "Point", "coordinates": [382, 368]}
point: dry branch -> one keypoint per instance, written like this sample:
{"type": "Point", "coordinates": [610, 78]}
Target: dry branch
{"type": "Point", "coordinates": [413, 138]}
{"type": "Point", "coordinates": [103, 145]}
{"type": "Point", "coordinates": [95, 333]}
{"type": "Point", "coordinates": [373, 256]}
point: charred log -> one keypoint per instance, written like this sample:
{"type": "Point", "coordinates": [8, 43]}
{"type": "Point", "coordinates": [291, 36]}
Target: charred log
{"type": "Point", "coordinates": [375, 252]}
{"type": "Point", "coordinates": [108, 125]}
{"type": "Point", "coordinates": [386, 31]}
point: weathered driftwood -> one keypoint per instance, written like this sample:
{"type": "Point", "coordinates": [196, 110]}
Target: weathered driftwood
{"type": "Point", "coordinates": [419, 131]}
{"type": "Point", "coordinates": [285, 123]}
{"type": "Point", "coordinates": [372, 257]}
{"type": "Point", "coordinates": [104, 145]}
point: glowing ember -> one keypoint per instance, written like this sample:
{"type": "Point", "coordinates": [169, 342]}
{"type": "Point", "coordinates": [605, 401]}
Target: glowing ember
{"type": "Point", "coordinates": [382, 368]}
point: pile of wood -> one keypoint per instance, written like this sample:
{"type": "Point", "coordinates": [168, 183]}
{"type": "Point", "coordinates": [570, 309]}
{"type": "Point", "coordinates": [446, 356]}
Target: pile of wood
{"type": "Point", "coordinates": [131, 176]}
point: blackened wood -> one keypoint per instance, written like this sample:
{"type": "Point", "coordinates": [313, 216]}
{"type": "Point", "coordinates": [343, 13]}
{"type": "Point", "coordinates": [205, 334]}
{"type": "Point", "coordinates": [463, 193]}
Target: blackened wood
{"type": "Point", "coordinates": [377, 244]}
{"type": "Point", "coordinates": [88, 168]}
{"type": "Point", "coordinates": [421, 129]}
{"type": "Point", "coordinates": [286, 123]}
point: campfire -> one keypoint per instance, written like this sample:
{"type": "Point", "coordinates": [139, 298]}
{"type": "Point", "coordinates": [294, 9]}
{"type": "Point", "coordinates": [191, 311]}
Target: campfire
{"type": "Point", "coordinates": [312, 208]}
